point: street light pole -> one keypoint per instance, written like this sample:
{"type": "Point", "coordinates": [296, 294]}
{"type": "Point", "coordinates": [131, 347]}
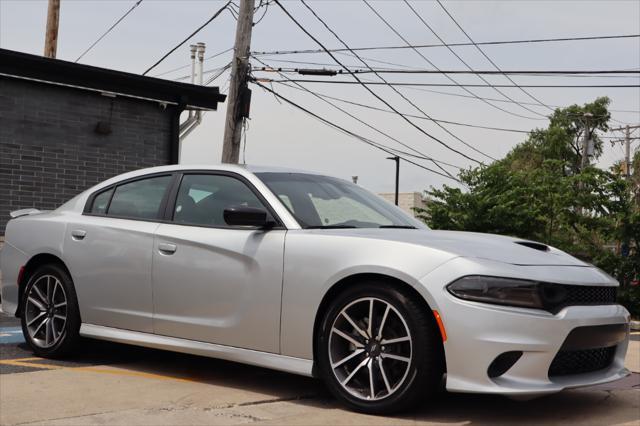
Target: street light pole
{"type": "Point", "coordinates": [397, 160]}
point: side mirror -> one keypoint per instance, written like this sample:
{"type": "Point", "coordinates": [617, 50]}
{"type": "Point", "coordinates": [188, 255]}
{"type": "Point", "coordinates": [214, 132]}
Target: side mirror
{"type": "Point", "coordinates": [247, 216]}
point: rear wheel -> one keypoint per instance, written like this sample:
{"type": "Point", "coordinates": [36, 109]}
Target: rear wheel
{"type": "Point", "coordinates": [50, 314]}
{"type": "Point", "coordinates": [378, 350]}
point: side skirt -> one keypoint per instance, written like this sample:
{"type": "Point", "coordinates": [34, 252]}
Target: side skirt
{"type": "Point", "coordinates": [212, 350]}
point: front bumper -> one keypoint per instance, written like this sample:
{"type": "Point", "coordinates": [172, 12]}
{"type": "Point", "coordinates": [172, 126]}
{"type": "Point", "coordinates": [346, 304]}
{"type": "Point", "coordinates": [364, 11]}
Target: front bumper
{"type": "Point", "coordinates": [478, 333]}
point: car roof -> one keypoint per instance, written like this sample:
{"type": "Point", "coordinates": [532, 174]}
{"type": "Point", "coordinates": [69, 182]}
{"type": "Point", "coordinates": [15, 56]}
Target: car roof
{"type": "Point", "coordinates": [224, 167]}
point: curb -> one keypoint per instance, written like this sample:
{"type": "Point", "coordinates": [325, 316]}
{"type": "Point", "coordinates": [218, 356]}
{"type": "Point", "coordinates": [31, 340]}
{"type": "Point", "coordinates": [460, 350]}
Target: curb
{"type": "Point", "coordinates": [635, 325]}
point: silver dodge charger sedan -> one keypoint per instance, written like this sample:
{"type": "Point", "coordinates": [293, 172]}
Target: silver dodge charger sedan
{"type": "Point", "coordinates": [311, 275]}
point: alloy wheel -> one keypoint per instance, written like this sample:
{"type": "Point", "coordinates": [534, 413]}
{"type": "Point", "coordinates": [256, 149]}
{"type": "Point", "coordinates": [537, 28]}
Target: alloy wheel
{"type": "Point", "coordinates": [370, 349]}
{"type": "Point", "coordinates": [46, 311]}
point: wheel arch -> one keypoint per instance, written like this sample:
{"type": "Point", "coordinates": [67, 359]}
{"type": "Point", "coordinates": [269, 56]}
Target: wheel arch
{"type": "Point", "coordinates": [30, 267]}
{"type": "Point", "coordinates": [345, 282]}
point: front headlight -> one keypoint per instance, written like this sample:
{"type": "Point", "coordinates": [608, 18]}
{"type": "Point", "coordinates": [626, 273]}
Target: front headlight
{"type": "Point", "coordinates": [497, 290]}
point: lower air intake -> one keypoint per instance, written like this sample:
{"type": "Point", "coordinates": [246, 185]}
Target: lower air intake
{"type": "Point", "coordinates": [582, 361]}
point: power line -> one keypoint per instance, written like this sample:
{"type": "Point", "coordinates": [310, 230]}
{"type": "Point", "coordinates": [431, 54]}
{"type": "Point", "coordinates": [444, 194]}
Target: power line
{"type": "Point", "coordinates": [215, 15]}
{"type": "Point", "coordinates": [188, 65]}
{"type": "Point", "coordinates": [396, 32]}
{"type": "Point", "coordinates": [423, 46]}
{"type": "Point", "coordinates": [403, 83]}
{"type": "Point", "coordinates": [420, 154]}
{"type": "Point", "coordinates": [484, 54]}
{"type": "Point", "coordinates": [455, 123]}
{"type": "Point", "coordinates": [137, 3]}
{"type": "Point", "coordinates": [503, 100]}
{"type": "Point", "coordinates": [350, 133]}
{"type": "Point", "coordinates": [421, 130]}
{"type": "Point", "coordinates": [441, 71]}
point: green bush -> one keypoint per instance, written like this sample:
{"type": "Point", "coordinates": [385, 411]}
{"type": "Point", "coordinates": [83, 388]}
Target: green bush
{"type": "Point", "coordinates": [629, 297]}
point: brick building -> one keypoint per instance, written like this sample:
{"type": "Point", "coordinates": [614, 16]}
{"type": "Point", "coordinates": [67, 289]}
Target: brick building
{"type": "Point", "coordinates": [65, 127]}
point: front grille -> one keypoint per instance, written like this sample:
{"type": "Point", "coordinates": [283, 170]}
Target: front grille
{"type": "Point", "coordinates": [558, 296]}
{"type": "Point", "coordinates": [583, 361]}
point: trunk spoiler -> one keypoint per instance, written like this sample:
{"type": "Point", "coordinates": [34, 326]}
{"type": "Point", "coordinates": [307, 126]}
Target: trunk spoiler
{"type": "Point", "coordinates": [24, 212]}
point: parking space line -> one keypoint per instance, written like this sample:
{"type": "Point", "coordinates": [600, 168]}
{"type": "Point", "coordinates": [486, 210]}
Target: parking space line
{"type": "Point", "coordinates": [19, 362]}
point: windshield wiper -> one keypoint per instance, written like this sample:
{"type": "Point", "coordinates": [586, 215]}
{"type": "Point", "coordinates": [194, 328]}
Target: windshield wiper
{"type": "Point", "coordinates": [398, 226]}
{"type": "Point", "coordinates": [330, 227]}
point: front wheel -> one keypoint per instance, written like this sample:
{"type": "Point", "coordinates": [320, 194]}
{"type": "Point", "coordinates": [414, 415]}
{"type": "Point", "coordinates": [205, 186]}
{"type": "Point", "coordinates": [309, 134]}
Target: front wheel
{"type": "Point", "coordinates": [379, 350]}
{"type": "Point", "coordinates": [50, 315]}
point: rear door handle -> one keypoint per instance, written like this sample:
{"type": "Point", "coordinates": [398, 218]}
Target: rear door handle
{"type": "Point", "coordinates": [166, 248]}
{"type": "Point", "coordinates": [78, 234]}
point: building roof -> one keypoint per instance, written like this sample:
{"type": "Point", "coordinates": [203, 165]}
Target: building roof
{"type": "Point", "coordinates": [85, 77]}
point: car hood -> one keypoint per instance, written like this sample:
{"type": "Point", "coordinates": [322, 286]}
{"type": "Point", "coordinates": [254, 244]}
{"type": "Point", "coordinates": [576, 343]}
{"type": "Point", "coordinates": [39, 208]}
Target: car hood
{"type": "Point", "coordinates": [498, 248]}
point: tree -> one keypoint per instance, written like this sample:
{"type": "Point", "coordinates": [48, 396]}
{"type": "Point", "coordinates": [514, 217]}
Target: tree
{"type": "Point", "coordinates": [539, 191]}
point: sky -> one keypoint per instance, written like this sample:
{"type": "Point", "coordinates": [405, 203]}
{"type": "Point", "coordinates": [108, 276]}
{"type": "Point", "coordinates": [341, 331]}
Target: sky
{"type": "Point", "coordinates": [280, 135]}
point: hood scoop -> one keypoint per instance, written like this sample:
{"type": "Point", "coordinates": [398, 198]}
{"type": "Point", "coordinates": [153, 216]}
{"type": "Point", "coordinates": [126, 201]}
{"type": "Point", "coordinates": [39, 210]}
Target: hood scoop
{"type": "Point", "coordinates": [534, 245]}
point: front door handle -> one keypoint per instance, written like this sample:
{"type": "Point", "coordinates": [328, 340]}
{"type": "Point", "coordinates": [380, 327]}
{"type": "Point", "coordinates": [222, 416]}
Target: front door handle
{"type": "Point", "coordinates": [166, 248]}
{"type": "Point", "coordinates": [78, 234]}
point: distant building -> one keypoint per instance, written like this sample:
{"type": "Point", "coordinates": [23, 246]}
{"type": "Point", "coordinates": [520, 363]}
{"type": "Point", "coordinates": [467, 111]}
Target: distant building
{"type": "Point", "coordinates": [407, 201]}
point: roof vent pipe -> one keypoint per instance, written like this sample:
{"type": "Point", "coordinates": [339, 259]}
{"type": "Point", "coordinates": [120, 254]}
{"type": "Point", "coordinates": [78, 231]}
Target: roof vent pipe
{"type": "Point", "coordinates": [201, 48]}
{"type": "Point", "coordinates": [193, 48]}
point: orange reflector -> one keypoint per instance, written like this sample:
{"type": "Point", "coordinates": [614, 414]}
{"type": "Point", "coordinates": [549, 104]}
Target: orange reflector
{"type": "Point", "coordinates": [443, 333]}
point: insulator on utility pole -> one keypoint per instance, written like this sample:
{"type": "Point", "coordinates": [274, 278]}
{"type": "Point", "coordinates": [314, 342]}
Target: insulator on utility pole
{"type": "Point", "coordinates": [51, 33]}
{"type": "Point", "coordinates": [239, 93]}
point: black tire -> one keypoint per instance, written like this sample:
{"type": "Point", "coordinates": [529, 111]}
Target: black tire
{"type": "Point", "coordinates": [422, 381]}
{"type": "Point", "coordinates": [69, 333]}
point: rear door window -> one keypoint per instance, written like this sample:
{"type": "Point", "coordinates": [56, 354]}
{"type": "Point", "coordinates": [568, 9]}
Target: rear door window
{"type": "Point", "coordinates": [140, 199]}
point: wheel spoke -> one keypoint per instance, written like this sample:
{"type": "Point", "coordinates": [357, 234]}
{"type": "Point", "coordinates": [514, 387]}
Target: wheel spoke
{"type": "Point", "coordinates": [53, 330]}
{"type": "Point", "coordinates": [396, 357]}
{"type": "Point", "coordinates": [347, 358]}
{"type": "Point", "coordinates": [370, 325]}
{"type": "Point", "coordinates": [397, 340]}
{"type": "Point", "coordinates": [55, 287]}
{"type": "Point", "coordinates": [40, 315]}
{"type": "Point", "coordinates": [384, 319]}
{"type": "Point", "coordinates": [384, 376]}
{"type": "Point", "coordinates": [354, 325]}
{"type": "Point", "coordinates": [347, 337]}
{"type": "Point", "coordinates": [48, 290]}
{"type": "Point", "coordinates": [59, 305]}
{"type": "Point", "coordinates": [371, 385]}
{"type": "Point", "coordinates": [37, 304]}
{"type": "Point", "coordinates": [353, 373]}
{"type": "Point", "coordinates": [37, 290]}
{"type": "Point", "coordinates": [44, 321]}
{"type": "Point", "coordinates": [47, 332]}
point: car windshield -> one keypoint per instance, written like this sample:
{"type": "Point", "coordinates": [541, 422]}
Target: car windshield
{"type": "Point", "coordinates": [325, 202]}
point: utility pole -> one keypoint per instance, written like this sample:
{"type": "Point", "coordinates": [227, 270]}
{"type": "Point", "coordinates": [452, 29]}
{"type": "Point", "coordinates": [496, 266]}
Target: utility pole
{"type": "Point", "coordinates": [397, 160]}
{"type": "Point", "coordinates": [51, 33]}
{"type": "Point", "coordinates": [585, 142]}
{"type": "Point", "coordinates": [627, 150]}
{"type": "Point", "coordinates": [627, 145]}
{"type": "Point", "coordinates": [239, 94]}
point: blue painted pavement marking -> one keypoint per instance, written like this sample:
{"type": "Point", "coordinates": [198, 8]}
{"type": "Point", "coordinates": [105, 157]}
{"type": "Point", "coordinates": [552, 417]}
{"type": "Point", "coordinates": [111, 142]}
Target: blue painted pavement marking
{"type": "Point", "coordinates": [11, 335]}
